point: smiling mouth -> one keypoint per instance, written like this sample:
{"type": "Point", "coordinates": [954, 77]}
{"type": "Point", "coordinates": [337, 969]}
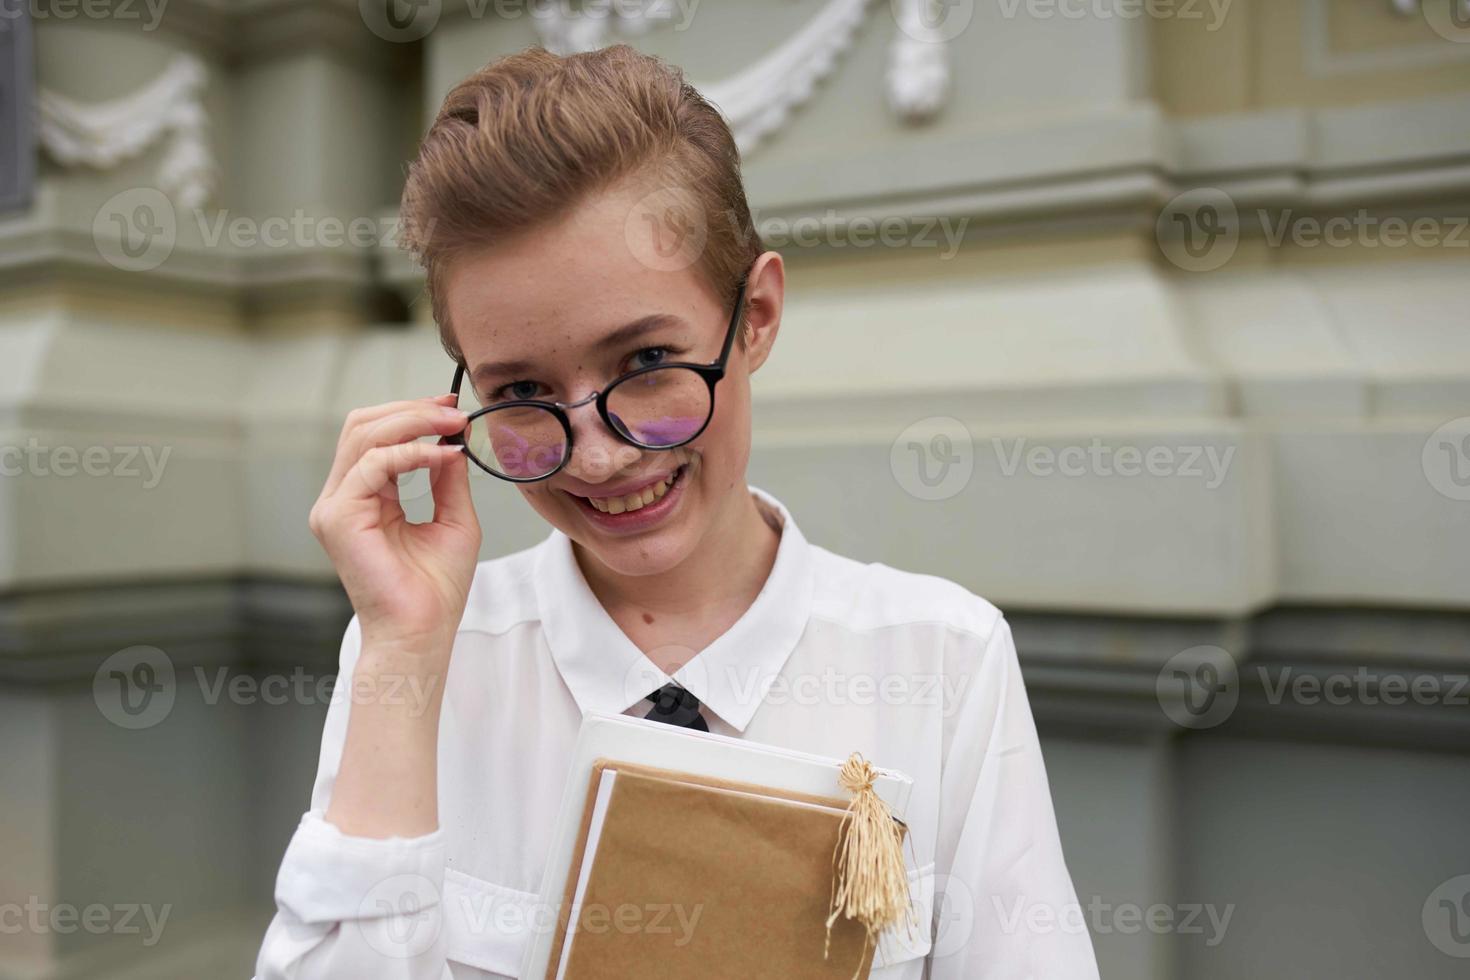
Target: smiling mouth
{"type": "Point", "coordinates": [637, 500]}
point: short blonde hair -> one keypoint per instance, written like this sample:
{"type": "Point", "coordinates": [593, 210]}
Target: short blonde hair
{"type": "Point", "coordinates": [531, 135]}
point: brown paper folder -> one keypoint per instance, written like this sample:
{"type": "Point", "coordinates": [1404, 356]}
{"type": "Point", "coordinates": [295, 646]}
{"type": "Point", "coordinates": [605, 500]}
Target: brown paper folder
{"type": "Point", "coordinates": [697, 877]}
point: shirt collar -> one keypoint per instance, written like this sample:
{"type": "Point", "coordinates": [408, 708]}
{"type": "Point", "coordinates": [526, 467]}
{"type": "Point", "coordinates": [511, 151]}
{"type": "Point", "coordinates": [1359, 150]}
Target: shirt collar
{"type": "Point", "coordinates": [606, 672]}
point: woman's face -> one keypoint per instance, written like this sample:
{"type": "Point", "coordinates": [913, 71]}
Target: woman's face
{"type": "Point", "coordinates": [560, 311]}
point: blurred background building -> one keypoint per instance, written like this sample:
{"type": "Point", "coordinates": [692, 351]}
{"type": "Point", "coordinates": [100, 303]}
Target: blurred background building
{"type": "Point", "coordinates": [1145, 319]}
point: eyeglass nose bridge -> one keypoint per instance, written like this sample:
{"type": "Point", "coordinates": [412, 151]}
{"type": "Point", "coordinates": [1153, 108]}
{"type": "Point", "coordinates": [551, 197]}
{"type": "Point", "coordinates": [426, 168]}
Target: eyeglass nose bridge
{"type": "Point", "coordinates": [591, 397]}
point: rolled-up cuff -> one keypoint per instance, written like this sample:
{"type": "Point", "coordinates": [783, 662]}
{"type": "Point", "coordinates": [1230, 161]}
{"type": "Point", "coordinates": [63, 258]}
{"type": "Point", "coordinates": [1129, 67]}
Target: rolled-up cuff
{"type": "Point", "coordinates": [329, 876]}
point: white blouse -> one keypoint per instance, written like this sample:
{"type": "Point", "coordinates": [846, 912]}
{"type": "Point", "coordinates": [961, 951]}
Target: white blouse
{"type": "Point", "coordinates": [834, 656]}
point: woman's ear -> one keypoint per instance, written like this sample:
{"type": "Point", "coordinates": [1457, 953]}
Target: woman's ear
{"type": "Point", "coordinates": [765, 292]}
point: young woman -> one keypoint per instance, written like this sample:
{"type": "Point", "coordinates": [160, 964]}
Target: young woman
{"type": "Point", "coordinates": [592, 269]}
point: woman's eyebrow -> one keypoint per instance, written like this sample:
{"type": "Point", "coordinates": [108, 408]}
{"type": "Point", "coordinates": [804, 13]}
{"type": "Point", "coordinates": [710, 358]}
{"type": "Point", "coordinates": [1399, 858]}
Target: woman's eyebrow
{"type": "Point", "coordinates": [637, 328]}
{"type": "Point", "coordinates": [619, 337]}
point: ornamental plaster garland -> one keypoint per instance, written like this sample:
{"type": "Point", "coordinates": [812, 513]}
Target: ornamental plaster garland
{"type": "Point", "coordinates": [168, 109]}
{"type": "Point", "coordinates": [759, 99]}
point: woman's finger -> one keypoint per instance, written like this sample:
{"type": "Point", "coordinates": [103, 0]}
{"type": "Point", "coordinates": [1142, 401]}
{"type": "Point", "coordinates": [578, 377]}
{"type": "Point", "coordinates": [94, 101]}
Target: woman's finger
{"type": "Point", "coordinates": [377, 470]}
{"type": "Point", "coordinates": [453, 506]}
{"type": "Point", "coordinates": [416, 420]}
{"type": "Point", "coordinates": [368, 414]}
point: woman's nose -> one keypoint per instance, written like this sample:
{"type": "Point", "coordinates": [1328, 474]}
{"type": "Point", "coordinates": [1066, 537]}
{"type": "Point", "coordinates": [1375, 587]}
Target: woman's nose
{"type": "Point", "coordinates": [597, 454]}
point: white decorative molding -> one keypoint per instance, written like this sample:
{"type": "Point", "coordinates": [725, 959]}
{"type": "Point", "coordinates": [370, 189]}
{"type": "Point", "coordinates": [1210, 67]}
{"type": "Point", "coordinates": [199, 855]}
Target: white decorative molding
{"type": "Point", "coordinates": [918, 63]}
{"type": "Point", "coordinates": [759, 99]}
{"type": "Point", "coordinates": [1408, 8]}
{"type": "Point", "coordinates": [1322, 61]}
{"type": "Point", "coordinates": [104, 134]}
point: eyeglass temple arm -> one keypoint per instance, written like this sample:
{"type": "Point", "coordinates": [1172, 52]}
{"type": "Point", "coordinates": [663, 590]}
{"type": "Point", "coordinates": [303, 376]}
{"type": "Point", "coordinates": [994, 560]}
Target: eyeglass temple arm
{"type": "Point", "coordinates": [734, 323]}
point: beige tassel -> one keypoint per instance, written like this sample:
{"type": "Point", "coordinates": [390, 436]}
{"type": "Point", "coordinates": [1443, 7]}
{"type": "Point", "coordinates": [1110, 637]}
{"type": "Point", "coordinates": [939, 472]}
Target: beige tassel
{"type": "Point", "coordinates": [869, 883]}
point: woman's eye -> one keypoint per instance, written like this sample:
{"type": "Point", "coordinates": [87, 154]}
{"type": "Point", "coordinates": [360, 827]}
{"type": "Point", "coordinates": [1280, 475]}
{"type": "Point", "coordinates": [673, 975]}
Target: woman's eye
{"type": "Point", "coordinates": [648, 357]}
{"type": "Point", "coordinates": [517, 391]}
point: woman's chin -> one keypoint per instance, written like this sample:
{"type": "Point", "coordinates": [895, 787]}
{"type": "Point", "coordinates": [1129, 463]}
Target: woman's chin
{"type": "Point", "coordinates": [649, 541]}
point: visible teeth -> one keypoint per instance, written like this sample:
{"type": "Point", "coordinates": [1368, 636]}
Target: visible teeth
{"type": "Point", "coordinates": [634, 501]}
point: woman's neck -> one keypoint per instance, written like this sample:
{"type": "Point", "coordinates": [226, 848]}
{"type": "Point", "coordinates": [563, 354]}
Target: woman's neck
{"type": "Point", "coordinates": [672, 615]}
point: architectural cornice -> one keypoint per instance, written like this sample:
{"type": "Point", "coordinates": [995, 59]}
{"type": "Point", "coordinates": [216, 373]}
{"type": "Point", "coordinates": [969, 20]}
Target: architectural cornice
{"type": "Point", "coordinates": [247, 31]}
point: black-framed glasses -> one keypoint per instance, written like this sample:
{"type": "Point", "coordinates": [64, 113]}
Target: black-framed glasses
{"type": "Point", "coordinates": [662, 406]}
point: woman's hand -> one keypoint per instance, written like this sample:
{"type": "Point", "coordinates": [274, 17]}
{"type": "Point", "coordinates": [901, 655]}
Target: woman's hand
{"type": "Point", "coordinates": [408, 582]}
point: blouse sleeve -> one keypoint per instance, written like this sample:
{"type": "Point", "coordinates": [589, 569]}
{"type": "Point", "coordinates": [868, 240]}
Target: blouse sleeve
{"type": "Point", "coordinates": [351, 907]}
{"type": "Point", "coordinates": [1005, 907]}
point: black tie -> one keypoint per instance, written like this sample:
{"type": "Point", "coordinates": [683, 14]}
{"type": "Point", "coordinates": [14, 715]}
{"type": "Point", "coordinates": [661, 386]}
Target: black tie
{"type": "Point", "coordinates": [676, 706]}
